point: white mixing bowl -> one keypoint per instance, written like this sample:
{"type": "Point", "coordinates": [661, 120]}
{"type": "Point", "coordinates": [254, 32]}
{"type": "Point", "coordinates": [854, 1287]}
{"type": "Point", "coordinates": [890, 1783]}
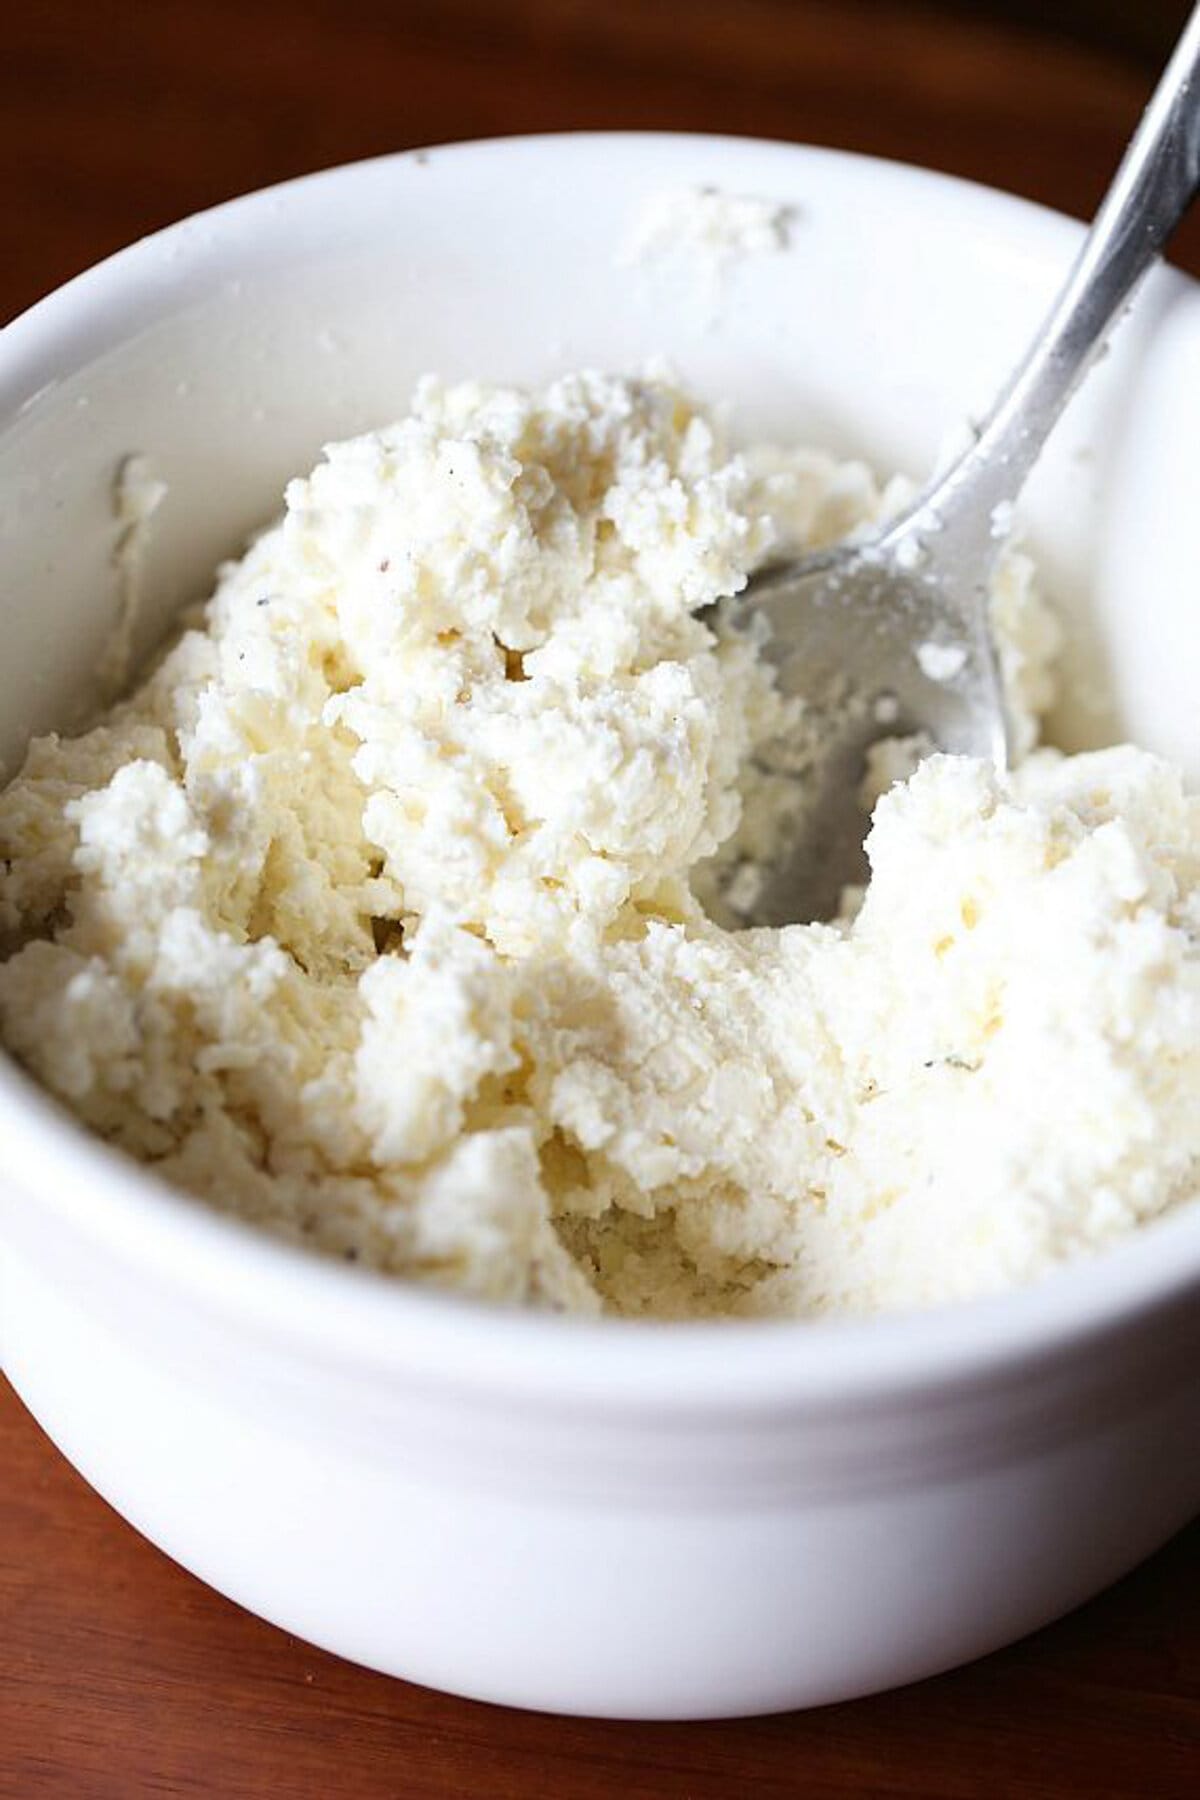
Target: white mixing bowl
{"type": "Point", "coordinates": [592, 1517]}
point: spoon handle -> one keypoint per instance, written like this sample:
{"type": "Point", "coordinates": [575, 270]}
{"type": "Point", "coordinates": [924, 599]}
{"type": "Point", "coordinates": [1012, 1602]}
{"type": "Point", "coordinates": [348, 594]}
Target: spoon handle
{"type": "Point", "coordinates": [1150, 193]}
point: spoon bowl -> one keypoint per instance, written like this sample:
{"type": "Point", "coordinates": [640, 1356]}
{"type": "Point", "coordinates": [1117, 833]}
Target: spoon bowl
{"type": "Point", "coordinates": [891, 639]}
{"type": "Point", "coordinates": [865, 638]}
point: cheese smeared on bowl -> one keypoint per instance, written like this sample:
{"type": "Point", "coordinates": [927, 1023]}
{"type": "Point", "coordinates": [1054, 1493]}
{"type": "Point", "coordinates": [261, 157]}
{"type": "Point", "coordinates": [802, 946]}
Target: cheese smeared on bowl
{"type": "Point", "coordinates": [390, 912]}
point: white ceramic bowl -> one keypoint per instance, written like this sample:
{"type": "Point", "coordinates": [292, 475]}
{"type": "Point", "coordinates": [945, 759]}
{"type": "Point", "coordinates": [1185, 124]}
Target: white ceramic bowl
{"type": "Point", "coordinates": [599, 1518]}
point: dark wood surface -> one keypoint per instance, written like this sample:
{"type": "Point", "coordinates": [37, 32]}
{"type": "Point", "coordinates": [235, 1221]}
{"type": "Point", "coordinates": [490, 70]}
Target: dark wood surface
{"type": "Point", "coordinates": [117, 117]}
{"type": "Point", "coordinates": [120, 1676]}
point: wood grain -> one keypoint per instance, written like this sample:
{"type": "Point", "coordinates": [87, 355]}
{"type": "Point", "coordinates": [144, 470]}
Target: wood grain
{"type": "Point", "coordinates": [120, 1676]}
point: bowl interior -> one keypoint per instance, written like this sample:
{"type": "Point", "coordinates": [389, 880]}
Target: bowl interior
{"type": "Point", "coordinates": [228, 350]}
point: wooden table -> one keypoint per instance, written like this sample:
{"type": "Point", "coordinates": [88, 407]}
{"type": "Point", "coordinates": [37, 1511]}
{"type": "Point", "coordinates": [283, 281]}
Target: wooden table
{"type": "Point", "coordinates": [120, 1676]}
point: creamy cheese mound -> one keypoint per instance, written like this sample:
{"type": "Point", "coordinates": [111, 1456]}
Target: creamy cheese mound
{"type": "Point", "coordinates": [372, 916]}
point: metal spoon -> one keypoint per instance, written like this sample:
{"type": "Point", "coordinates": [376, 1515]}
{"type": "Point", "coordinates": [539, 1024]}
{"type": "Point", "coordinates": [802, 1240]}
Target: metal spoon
{"type": "Point", "coordinates": [852, 628]}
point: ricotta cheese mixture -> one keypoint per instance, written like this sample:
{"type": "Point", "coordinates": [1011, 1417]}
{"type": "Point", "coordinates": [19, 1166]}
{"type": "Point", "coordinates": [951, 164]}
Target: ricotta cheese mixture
{"type": "Point", "coordinates": [387, 912]}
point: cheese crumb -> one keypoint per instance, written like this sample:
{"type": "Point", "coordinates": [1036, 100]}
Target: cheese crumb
{"type": "Point", "coordinates": [708, 224]}
{"type": "Point", "coordinates": [941, 662]}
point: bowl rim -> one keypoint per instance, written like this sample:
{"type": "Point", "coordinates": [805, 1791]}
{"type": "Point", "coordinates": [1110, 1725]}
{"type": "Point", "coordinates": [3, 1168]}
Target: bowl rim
{"type": "Point", "coordinates": [402, 1328]}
